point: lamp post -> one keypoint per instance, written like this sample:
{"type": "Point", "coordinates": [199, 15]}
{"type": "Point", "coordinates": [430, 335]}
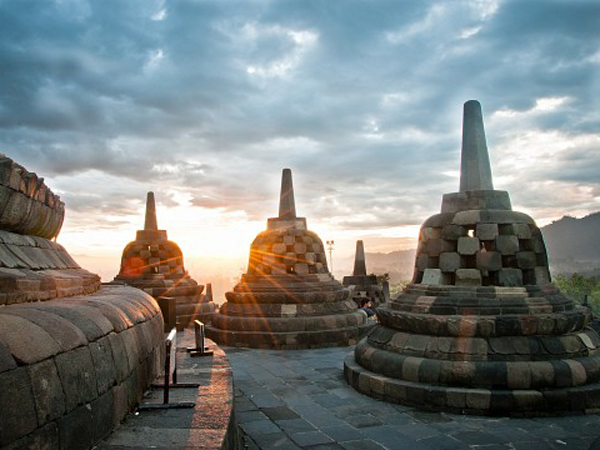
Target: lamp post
{"type": "Point", "coordinates": [330, 248]}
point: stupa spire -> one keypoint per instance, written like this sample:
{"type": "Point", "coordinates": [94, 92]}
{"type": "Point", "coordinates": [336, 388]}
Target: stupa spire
{"type": "Point", "coordinates": [287, 206]}
{"type": "Point", "coordinates": [360, 266]}
{"type": "Point", "coordinates": [150, 224]}
{"type": "Point", "coordinates": [475, 170]}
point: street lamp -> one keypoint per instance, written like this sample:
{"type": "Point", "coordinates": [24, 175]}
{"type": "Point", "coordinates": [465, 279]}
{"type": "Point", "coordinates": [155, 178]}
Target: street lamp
{"type": "Point", "coordinates": [330, 248]}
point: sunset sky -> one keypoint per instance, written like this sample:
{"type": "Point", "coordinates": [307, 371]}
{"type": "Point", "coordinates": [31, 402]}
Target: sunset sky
{"type": "Point", "coordinates": [204, 102]}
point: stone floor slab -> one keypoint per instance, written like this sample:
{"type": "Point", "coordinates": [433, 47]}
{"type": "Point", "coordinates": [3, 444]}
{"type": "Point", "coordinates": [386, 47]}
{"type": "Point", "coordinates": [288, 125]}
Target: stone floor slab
{"type": "Point", "coordinates": [311, 386]}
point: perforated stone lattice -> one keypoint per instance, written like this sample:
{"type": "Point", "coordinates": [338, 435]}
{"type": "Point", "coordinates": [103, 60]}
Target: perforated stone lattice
{"type": "Point", "coordinates": [287, 251]}
{"type": "Point", "coordinates": [467, 251]}
{"type": "Point", "coordinates": [163, 258]}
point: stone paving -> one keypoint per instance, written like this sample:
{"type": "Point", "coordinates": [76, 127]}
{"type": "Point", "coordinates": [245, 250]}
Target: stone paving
{"type": "Point", "coordinates": [299, 399]}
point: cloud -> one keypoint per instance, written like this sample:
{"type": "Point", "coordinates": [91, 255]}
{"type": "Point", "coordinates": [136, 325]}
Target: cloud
{"type": "Point", "coordinates": [206, 102]}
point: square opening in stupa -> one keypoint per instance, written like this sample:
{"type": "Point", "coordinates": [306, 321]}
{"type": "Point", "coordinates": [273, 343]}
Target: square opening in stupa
{"type": "Point", "coordinates": [481, 329]}
{"type": "Point", "coordinates": [288, 299]}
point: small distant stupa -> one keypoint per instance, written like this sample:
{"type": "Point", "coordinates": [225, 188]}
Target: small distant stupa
{"type": "Point", "coordinates": [362, 285]}
{"type": "Point", "coordinates": [288, 299]}
{"type": "Point", "coordinates": [155, 265]}
{"type": "Point", "coordinates": [481, 330]}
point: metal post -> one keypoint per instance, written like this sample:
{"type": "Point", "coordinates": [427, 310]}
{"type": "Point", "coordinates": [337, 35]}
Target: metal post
{"type": "Point", "coordinates": [330, 248]}
{"type": "Point", "coordinates": [167, 373]}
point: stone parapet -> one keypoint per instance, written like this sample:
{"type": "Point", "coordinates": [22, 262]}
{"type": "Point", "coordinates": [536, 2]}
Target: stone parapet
{"type": "Point", "coordinates": [72, 368]}
{"type": "Point", "coordinates": [27, 205]}
{"type": "Point", "coordinates": [33, 268]}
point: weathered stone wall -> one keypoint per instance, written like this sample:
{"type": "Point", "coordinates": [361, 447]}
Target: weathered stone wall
{"type": "Point", "coordinates": [71, 365]}
{"type": "Point", "coordinates": [72, 368]}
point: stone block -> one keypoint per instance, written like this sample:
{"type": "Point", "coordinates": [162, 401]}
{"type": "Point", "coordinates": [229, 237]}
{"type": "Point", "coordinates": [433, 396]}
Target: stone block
{"type": "Point", "coordinates": [410, 369]}
{"type": "Point", "coordinates": [518, 375]}
{"type": "Point", "coordinates": [310, 257]}
{"type": "Point", "coordinates": [490, 261]}
{"type": "Point", "coordinates": [436, 246]}
{"type": "Point", "coordinates": [76, 429]}
{"type": "Point", "coordinates": [453, 232]}
{"type": "Point", "coordinates": [436, 277]}
{"type": "Point", "coordinates": [478, 399]}
{"type": "Point", "coordinates": [486, 231]}
{"type": "Point", "coordinates": [279, 249]}
{"type": "Point", "coordinates": [422, 262]}
{"type": "Point", "coordinates": [7, 362]}
{"type": "Point", "coordinates": [289, 310]}
{"type": "Point", "coordinates": [300, 248]}
{"type": "Point", "coordinates": [510, 277]}
{"type": "Point", "coordinates": [28, 342]}
{"type": "Point", "coordinates": [102, 416]}
{"type": "Point", "coordinates": [301, 268]}
{"type": "Point", "coordinates": [542, 275]}
{"type": "Point", "coordinates": [428, 233]}
{"type": "Point", "coordinates": [104, 364]}
{"type": "Point", "coordinates": [522, 230]}
{"type": "Point", "coordinates": [47, 391]}
{"type": "Point", "coordinates": [44, 438]}
{"type": "Point", "coordinates": [468, 245]}
{"type": "Point", "coordinates": [77, 376]}
{"type": "Point", "coordinates": [578, 373]}
{"type": "Point", "coordinates": [542, 374]}
{"type": "Point", "coordinates": [17, 405]}
{"type": "Point", "coordinates": [468, 277]}
{"type": "Point", "coordinates": [507, 244]}
{"type": "Point", "coordinates": [456, 398]}
{"type": "Point", "coordinates": [526, 400]}
{"type": "Point", "coordinates": [526, 260]}
{"type": "Point", "coordinates": [449, 262]}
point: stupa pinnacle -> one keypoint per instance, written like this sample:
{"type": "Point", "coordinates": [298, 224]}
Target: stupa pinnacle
{"type": "Point", "coordinates": [360, 266]}
{"type": "Point", "coordinates": [481, 330]}
{"type": "Point", "coordinates": [150, 224]}
{"type": "Point", "coordinates": [287, 205]}
{"type": "Point", "coordinates": [155, 265]}
{"type": "Point", "coordinates": [475, 170]}
{"type": "Point", "coordinates": [288, 299]}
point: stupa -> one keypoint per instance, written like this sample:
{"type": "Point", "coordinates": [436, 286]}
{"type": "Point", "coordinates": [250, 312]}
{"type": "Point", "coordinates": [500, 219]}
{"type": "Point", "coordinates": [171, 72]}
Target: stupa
{"type": "Point", "coordinates": [288, 299]}
{"type": "Point", "coordinates": [360, 284]}
{"type": "Point", "coordinates": [154, 264]}
{"type": "Point", "coordinates": [481, 330]}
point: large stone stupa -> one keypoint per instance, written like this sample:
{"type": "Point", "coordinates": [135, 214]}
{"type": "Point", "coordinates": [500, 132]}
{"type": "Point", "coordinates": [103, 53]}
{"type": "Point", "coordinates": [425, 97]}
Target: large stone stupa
{"type": "Point", "coordinates": [361, 285]}
{"type": "Point", "coordinates": [154, 264]}
{"type": "Point", "coordinates": [288, 299]}
{"type": "Point", "coordinates": [481, 330]}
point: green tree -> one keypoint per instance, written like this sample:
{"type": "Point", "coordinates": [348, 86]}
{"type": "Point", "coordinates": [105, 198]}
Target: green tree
{"type": "Point", "coordinates": [579, 287]}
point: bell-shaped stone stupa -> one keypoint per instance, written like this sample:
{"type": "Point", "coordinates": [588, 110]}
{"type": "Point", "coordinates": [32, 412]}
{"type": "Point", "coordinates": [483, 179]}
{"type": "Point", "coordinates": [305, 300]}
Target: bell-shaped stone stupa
{"type": "Point", "coordinates": [288, 299]}
{"type": "Point", "coordinates": [481, 330]}
{"type": "Point", "coordinates": [361, 285]}
{"type": "Point", "coordinates": [155, 265]}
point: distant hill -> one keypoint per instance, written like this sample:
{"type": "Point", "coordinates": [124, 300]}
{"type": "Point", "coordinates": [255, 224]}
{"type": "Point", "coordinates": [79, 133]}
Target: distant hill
{"type": "Point", "coordinates": [399, 264]}
{"type": "Point", "coordinates": [573, 246]}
